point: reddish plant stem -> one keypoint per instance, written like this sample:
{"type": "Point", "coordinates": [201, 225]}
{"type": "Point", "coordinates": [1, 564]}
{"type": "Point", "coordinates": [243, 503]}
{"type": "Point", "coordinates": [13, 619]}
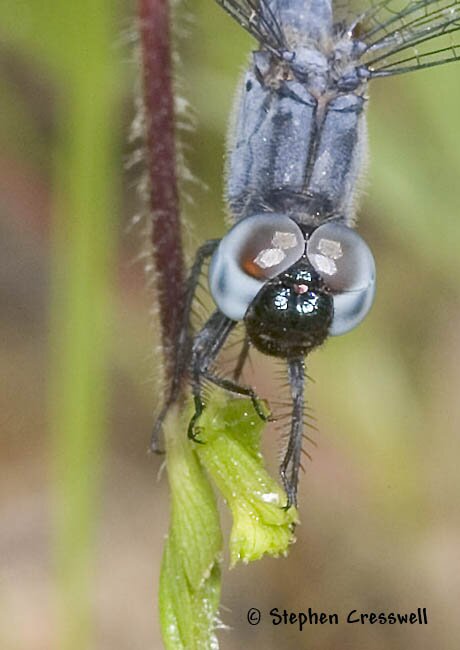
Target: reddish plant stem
{"type": "Point", "coordinates": [161, 163]}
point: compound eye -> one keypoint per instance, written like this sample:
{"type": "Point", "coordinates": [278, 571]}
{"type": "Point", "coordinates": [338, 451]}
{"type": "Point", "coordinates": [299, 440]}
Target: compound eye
{"type": "Point", "coordinates": [346, 264]}
{"type": "Point", "coordinates": [254, 251]}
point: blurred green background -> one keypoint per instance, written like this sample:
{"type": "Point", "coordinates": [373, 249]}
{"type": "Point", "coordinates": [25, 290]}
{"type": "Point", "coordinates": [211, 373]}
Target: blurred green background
{"type": "Point", "coordinates": [83, 514]}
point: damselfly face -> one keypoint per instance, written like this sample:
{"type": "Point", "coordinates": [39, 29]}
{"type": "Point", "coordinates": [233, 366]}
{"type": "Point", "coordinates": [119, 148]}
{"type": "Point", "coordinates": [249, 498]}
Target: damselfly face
{"type": "Point", "coordinates": [292, 287]}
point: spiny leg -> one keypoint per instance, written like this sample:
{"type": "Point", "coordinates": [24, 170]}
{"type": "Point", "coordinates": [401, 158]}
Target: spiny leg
{"type": "Point", "coordinates": [207, 345]}
{"type": "Point", "coordinates": [245, 391]}
{"type": "Point", "coordinates": [184, 341]}
{"type": "Point", "coordinates": [289, 468]}
{"type": "Point", "coordinates": [242, 358]}
{"type": "Point", "coordinates": [236, 387]}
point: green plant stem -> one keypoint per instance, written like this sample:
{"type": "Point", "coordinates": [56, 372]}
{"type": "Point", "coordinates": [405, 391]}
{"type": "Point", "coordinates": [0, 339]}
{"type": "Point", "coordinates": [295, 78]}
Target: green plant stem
{"type": "Point", "coordinates": [82, 251]}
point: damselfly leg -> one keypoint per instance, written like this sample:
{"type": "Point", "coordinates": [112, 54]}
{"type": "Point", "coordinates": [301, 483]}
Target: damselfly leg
{"type": "Point", "coordinates": [289, 468]}
{"type": "Point", "coordinates": [196, 355]}
{"type": "Point", "coordinates": [206, 346]}
{"type": "Point", "coordinates": [184, 342]}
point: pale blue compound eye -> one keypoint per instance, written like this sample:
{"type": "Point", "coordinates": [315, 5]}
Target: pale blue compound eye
{"type": "Point", "coordinates": [255, 250]}
{"type": "Point", "coordinates": [346, 264]}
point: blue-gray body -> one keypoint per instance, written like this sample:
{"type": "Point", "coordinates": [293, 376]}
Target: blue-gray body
{"type": "Point", "coordinates": [298, 139]}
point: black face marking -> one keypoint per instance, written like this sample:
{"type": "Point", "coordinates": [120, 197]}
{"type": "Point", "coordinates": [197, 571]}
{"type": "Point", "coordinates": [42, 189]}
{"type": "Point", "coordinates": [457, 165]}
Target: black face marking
{"type": "Point", "coordinates": [291, 314]}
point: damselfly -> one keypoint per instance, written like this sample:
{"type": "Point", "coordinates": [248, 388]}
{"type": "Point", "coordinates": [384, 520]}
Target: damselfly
{"type": "Point", "coordinates": [292, 269]}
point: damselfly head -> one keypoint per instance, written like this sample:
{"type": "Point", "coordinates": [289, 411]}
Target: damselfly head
{"type": "Point", "coordinates": [292, 288]}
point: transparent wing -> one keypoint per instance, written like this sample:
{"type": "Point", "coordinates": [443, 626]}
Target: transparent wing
{"type": "Point", "coordinates": [257, 17]}
{"type": "Point", "coordinates": [407, 36]}
{"type": "Point", "coordinates": [347, 12]}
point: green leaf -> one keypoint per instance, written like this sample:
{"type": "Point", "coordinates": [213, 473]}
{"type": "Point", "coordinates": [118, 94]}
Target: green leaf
{"type": "Point", "coordinates": [231, 432]}
{"type": "Point", "coordinates": [190, 573]}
